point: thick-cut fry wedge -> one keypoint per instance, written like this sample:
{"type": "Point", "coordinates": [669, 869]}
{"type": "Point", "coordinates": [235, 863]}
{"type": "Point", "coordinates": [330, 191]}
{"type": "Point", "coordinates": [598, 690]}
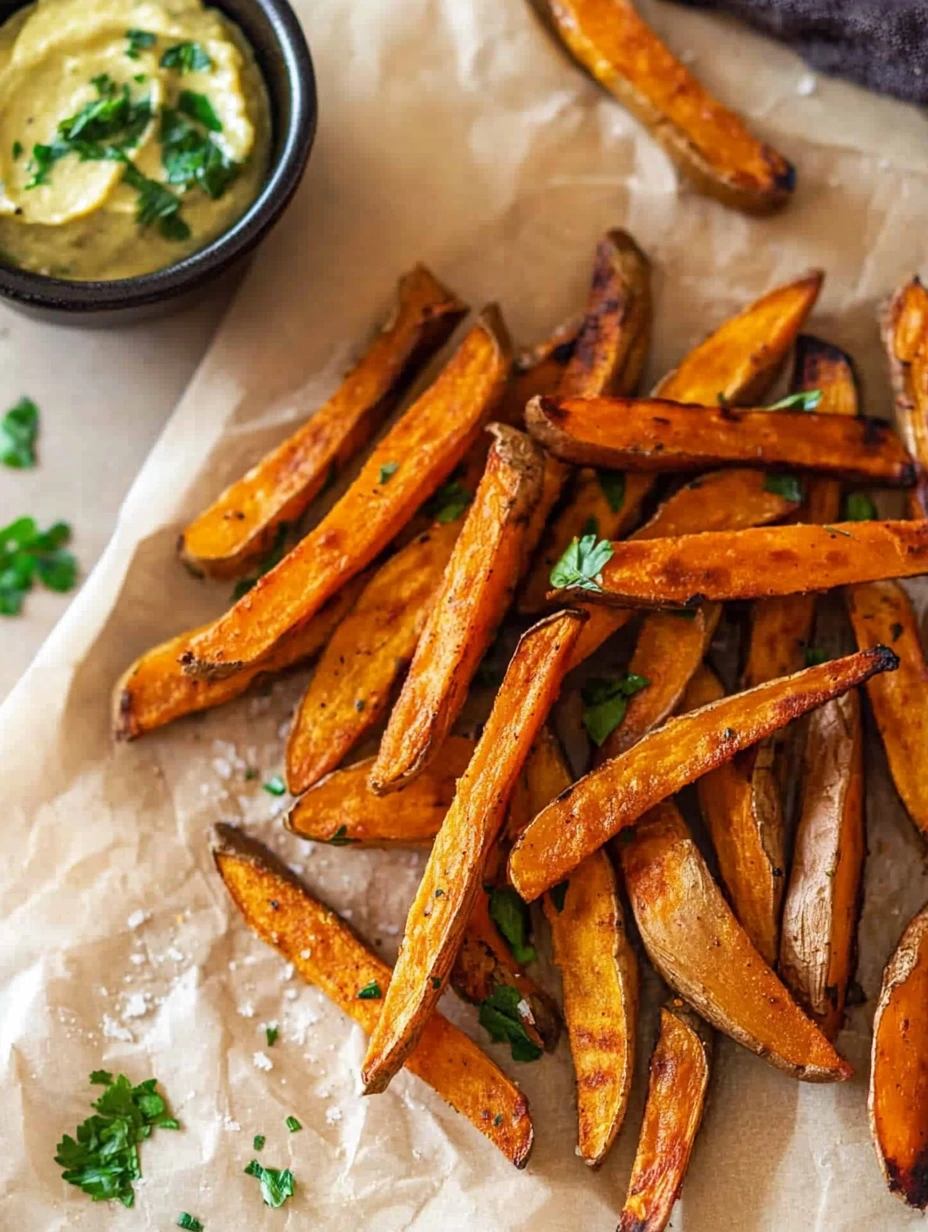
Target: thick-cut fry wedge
{"type": "Point", "coordinates": [412, 460]}
{"type": "Point", "coordinates": [905, 336]}
{"type": "Point", "coordinates": [898, 1098]}
{"type": "Point", "coordinates": [677, 1085]}
{"type": "Point", "coordinates": [819, 932]}
{"type": "Point", "coordinates": [670, 648]}
{"type": "Point", "coordinates": [436, 921]}
{"type": "Point", "coordinates": [241, 525]}
{"type": "Point", "coordinates": [740, 804]}
{"type": "Point", "coordinates": [652, 434]}
{"type": "Point", "coordinates": [723, 500]}
{"type": "Point", "coordinates": [709, 144]}
{"type": "Point", "coordinates": [327, 953]}
{"type": "Point", "coordinates": [471, 601]}
{"type": "Point", "coordinates": [368, 652]}
{"type": "Point", "coordinates": [340, 809]}
{"type": "Point", "coordinates": [537, 370]}
{"type": "Point", "coordinates": [758, 562]}
{"type": "Point", "coordinates": [155, 691]}
{"type": "Point", "coordinates": [882, 611]}
{"type": "Point", "coordinates": [617, 793]}
{"type": "Point", "coordinates": [704, 954]}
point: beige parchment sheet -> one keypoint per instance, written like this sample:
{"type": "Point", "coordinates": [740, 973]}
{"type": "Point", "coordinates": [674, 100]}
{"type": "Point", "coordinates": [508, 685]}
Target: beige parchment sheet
{"type": "Point", "coordinates": [455, 132]}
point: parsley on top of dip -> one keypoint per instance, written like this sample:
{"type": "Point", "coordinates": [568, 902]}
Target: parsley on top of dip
{"type": "Point", "coordinates": [132, 133]}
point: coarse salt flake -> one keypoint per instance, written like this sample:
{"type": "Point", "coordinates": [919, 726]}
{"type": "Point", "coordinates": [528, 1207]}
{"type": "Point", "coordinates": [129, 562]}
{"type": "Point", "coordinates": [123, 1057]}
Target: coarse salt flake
{"type": "Point", "coordinates": [333, 1114]}
{"type": "Point", "coordinates": [262, 1061]}
{"type": "Point", "coordinates": [138, 918]}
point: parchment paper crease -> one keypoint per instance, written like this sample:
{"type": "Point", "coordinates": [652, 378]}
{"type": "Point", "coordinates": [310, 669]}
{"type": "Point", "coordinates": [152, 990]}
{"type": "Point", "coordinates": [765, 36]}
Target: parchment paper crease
{"type": "Point", "coordinates": [454, 132]}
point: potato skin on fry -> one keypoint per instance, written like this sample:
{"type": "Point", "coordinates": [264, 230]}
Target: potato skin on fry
{"type": "Point", "coordinates": [905, 336]}
{"type": "Point", "coordinates": [709, 144]}
{"type": "Point", "coordinates": [436, 922]}
{"type": "Point", "coordinates": [677, 1086]}
{"type": "Point", "coordinates": [704, 954]}
{"type": "Point", "coordinates": [240, 525]}
{"type": "Point", "coordinates": [339, 809]}
{"type": "Point", "coordinates": [427, 442]}
{"type": "Point", "coordinates": [470, 603]}
{"type": "Point", "coordinates": [883, 611]}
{"type": "Point", "coordinates": [327, 953]}
{"type": "Point", "coordinates": [619, 792]}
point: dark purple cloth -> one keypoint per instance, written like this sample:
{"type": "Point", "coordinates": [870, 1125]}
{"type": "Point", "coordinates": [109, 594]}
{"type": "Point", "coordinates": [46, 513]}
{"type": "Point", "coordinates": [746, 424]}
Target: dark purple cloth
{"type": "Point", "coordinates": [881, 44]}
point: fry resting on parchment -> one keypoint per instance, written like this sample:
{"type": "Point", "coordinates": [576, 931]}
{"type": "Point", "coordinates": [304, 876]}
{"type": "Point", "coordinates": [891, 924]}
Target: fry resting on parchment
{"type": "Point", "coordinates": [240, 526]}
{"type": "Point", "coordinates": [905, 337]}
{"type": "Point", "coordinates": [616, 794]}
{"type": "Point", "coordinates": [326, 952]}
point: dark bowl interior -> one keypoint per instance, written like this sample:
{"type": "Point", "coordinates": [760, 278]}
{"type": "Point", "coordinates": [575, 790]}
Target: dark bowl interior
{"type": "Point", "coordinates": [274, 33]}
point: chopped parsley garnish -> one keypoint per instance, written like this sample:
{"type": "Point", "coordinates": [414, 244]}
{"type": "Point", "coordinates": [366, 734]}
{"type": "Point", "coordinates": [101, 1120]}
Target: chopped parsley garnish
{"type": "Point", "coordinates": [558, 895]}
{"type": "Point", "coordinates": [271, 1033]}
{"type": "Point", "coordinates": [17, 149]}
{"type": "Point", "coordinates": [198, 107]}
{"type": "Point", "coordinates": [370, 992]}
{"type": "Point", "coordinates": [581, 565]}
{"type": "Point", "coordinates": [605, 702]}
{"type": "Point", "coordinates": [814, 656]}
{"type": "Point", "coordinates": [787, 486]}
{"type": "Point", "coordinates": [613, 487]}
{"type": "Point", "coordinates": [139, 40]}
{"type": "Point", "coordinates": [190, 1222]}
{"type": "Point", "coordinates": [388, 470]}
{"type": "Point", "coordinates": [19, 428]}
{"type": "Point", "coordinates": [449, 502]}
{"type": "Point", "coordinates": [26, 553]}
{"type": "Point", "coordinates": [340, 838]}
{"type": "Point", "coordinates": [275, 786]}
{"type": "Point", "coordinates": [103, 1159]}
{"type": "Point", "coordinates": [436, 982]}
{"type": "Point", "coordinates": [805, 400]}
{"type": "Point", "coordinates": [257, 1143]}
{"type": "Point", "coordinates": [277, 1184]}
{"type": "Point", "coordinates": [274, 557]}
{"type": "Point", "coordinates": [498, 1120]}
{"type": "Point", "coordinates": [499, 1017]}
{"type": "Point", "coordinates": [859, 508]}
{"type": "Point", "coordinates": [510, 915]}
{"type": "Point", "coordinates": [186, 58]}
{"type": "Point", "coordinates": [156, 204]}
{"type": "Point", "coordinates": [293, 1125]}
{"type": "Point", "coordinates": [190, 157]}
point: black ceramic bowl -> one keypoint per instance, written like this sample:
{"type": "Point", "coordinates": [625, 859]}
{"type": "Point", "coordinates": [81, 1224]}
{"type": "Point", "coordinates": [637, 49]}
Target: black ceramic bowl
{"type": "Point", "coordinates": [274, 33]}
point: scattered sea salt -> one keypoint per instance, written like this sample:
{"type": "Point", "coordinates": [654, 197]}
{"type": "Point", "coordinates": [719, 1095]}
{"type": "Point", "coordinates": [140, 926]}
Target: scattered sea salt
{"type": "Point", "coordinates": [306, 953]}
{"type": "Point", "coordinates": [806, 85]}
{"type": "Point", "coordinates": [232, 1126]}
{"type": "Point", "coordinates": [137, 1005]}
{"type": "Point", "coordinates": [137, 959]}
{"type": "Point", "coordinates": [246, 1010]}
{"type": "Point", "coordinates": [287, 973]}
{"type": "Point", "coordinates": [113, 1030]}
{"type": "Point", "coordinates": [222, 767]}
{"type": "Point", "coordinates": [176, 955]}
{"type": "Point", "coordinates": [138, 918]}
{"type": "Point", "coordinates": [333, 1115]}
{"type": "Point", "coordinates": [291, 993]}
{"type": "Point", "coordinates": [262, 1061]}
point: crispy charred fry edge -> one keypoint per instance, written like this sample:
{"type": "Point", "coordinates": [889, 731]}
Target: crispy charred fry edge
{"type": "Point", "coordinates": [327, 953]}
{"type": "Point", "coordinates": [616, 794]}
{"type": "Point", "coordinates": [883, 611]}
{"type": "Point", "coordinates": [653, 434]}
{"type": "Point", "coordinates": [700, 949]}
{"type": "Point", "coordinates": [710, 145]}
{"type": "Point", "coordinates": [905, 337]}
{"type": "Point", "coordinates": [241, 524]}
{"type": "Point", "coordinates": [472, 599]}
{"type": "Point", "coordinates": [436, 921]}
{"type": "Point", "coordinates": [898, 1098]}
{"type": "Point", "coordinates": [424, 446]}
{"type": "Point", "coordinates": [677, 1086]}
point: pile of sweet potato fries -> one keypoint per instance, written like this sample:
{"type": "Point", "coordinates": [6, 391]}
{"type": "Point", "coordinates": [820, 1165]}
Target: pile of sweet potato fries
{"type": "Point", "coordinates": [541, 488]}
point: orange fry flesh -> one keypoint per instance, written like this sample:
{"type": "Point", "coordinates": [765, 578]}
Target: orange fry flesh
{"type": "Point", "coordinates": [905, 337]}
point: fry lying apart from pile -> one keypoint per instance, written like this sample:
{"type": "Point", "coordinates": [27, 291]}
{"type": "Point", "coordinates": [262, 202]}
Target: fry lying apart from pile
{"type": "Point", "coordinates": [506, 488]}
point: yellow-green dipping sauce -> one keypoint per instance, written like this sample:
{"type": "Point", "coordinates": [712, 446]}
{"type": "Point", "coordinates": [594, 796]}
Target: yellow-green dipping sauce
{"type": "Point", "coordinates": [132, 133]}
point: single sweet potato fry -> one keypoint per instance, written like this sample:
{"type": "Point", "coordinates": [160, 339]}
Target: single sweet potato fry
{"type": "Point", "coordinates": [677, 1085]}
{"type": "Point", "coordinates": [537, 370]}
{"type": "Point", "coordinates": [617, 793]}
{"type": "Point", "coordinates": [418, 453]}
{"type": "Point", "coordinates": [882, 611]}
{"type": "Point", "coordinates": [709, 144]}
{"type": "Point", "coordinates": [905, 337]}
{"type": "Point", "coordinates": [352, 684]}
{"type": "Point", "coordinates": [327, 953]}
{"type": "Point", "coordinates": [241, 524]}
{"type": "Point", "coordinates": [155, 691]}
{"type": "Point", "coordinates": [704, 954]}
{"type": "Point", "coordinates": [755, 563]}
{"type": "Point", "coordinates": [473, 596]}
{"type": "Point", "coordinates": [741, 807]}
{"type": "Point", "coordinates": [819, 932]}
{"type": "Point", "coordinates": [652, 434]}
{"type": "Point", "coordinates": [340, 809]}
{"type": "Point", "coordinates": [898, 1098]}
{"type": "Point", "coordinates": [452, 877]}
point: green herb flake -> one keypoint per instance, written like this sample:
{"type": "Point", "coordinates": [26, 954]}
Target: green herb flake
{"type": "Point", "coordinates": [436, 982]}
{"type": "Point", "coordinates": [370, 992]}
{"type": "Point", "coordinates": [19, 429]}
{"type": "Point", "coordinates": [190, 1222]}
{"type": "Point", "coordinates": [558, 895]}
{"type": "Point", "coordinates": [276, 1185]}
{"type": "Point", "coordinates": [439, 893]}
{"type": "Point", "coordinates": [156, 205]}
{"type": "Point", "coordinates": [498, 1120]}
{"type": "Point", "coordinates": [271, 1033]}
{"type": "Point", "coordinates": [605, 702]}
{"type": "Point", "coordinates": [186, 58]}
{"type": "Point", "coordinates": [190, 158]}
{"type": "Point", "coordinates": [17, 149]}
{"type": "Point", "coordinates": [257, 1143]}
{"type": "Point", "coordinates": [293, 1124]}
{"type": "Point", "coordinates": [787, 486]}
{"type": "Point", "coordinates": [103, 1158]}
{"type": "Point", "coordinates": [340, 838]}
{"type": "Point", "coordinates": [499, 1016]}
{"type": "Point", "coordinates": [449, 502]}
{"type": "Point", "coordinates": [510, 915]}
{"type": "Point", "coordinates": [26, 553]}
{"type": "Point", "coordinates": [139, 40]}
{"type": "Point", "coordinates": [388, 470]}
{"type": "Point", "coordinates": [859, 508]}
{"type": "Point", "coordinates": [198, 107]}
{"type": "Point", "coordinates": [805, 400]}
{"type": "Point", "coordinates": [275, 786]}
{"type": "Point", "coordinates": [814, 656]}
{"type": "Point", "coordinates": [581, 565]}
{"type": "Point", "coordinates": [101, 1078]}
{"type": "Point", "coordinates": [613, 488]}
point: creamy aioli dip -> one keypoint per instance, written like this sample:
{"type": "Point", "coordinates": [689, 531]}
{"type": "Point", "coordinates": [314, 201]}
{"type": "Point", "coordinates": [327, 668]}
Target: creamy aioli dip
{"type": "Point", "coordinates": [132, 133]}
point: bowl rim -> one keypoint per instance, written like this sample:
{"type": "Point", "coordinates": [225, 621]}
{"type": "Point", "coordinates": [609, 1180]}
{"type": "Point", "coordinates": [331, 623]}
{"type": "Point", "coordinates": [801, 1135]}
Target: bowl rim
{"type": "Point", "coordinates": [207, 263]}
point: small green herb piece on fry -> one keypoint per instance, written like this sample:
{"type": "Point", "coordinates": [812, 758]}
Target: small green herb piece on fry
{"type": "Point", "coordinates": [582, 563]}
{"type": "Point", "coordinates": [370, 992]}
{"type": "Point", "coordinates": [605, 702]}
